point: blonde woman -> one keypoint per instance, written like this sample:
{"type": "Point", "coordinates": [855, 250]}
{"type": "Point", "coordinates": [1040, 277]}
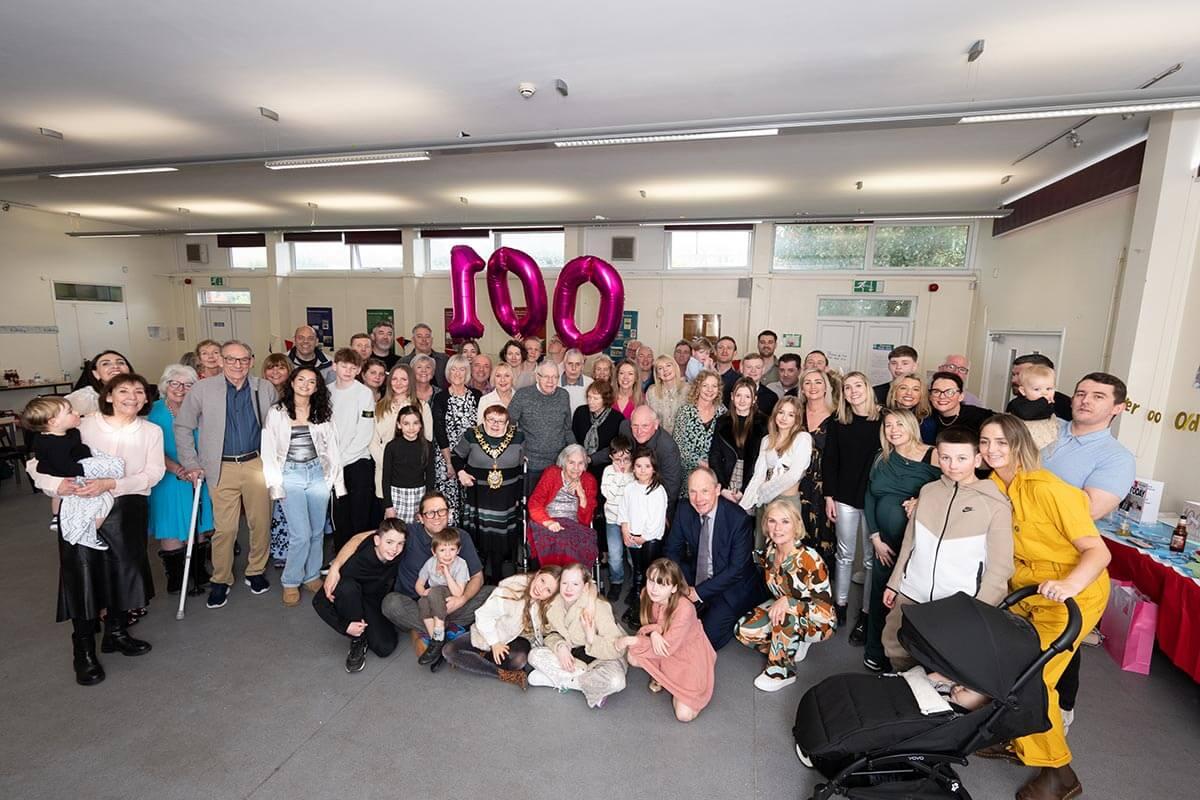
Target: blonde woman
{"type": "Point", "coordinates": [399, 390]}
{"type": "Point", "coordinates": [502, 393]}
{"type": "Point", "coordinates": [816, 403]}
{"type": "Point", "coordinates": [696, 422]}
{"type": "Point", "coordinates": [602, 369]}
{"type": "Point", "coordinates": [455, 411]}
{"type": "Point", "coordinates": [908, 392]}
{"type": "Point", "coordinates": [668, 393]}
{"type": "Point", "coordinates": [627, 392]}
{"type": "Point", "coordinates": [850, 448]}
{"type": "Point", "coordinates": [783, 457]}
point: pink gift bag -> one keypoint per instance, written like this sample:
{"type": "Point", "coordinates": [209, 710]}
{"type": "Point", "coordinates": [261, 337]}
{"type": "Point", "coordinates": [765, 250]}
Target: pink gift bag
{"type": "Point", "coordinates": [1128, 627]}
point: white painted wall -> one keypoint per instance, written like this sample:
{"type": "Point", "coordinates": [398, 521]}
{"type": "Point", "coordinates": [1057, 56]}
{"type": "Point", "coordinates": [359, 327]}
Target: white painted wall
{"type": "Point", "coordinates": [34, 252]}
{"type": "Point", "coordinates": [1177, 459]}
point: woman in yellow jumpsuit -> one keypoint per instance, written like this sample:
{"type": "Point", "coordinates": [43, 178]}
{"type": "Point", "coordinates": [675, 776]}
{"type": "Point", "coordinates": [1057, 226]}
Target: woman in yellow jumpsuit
{"type": "Point", "coordinates": [1057, 548]}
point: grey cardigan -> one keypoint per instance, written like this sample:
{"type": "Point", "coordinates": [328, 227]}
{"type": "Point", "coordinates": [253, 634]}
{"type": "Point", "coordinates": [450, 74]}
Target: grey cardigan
{"type": "Point", "coordinates": [204, 408]}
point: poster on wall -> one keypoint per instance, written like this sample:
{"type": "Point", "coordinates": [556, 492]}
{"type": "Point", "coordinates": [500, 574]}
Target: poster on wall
{"type": "Point", "coordinates": [877, 363]}
{"type": "Point", "coordinates": [625, 334]}
{"type": "Point", "coordinates": [320, 318]}
{"type": "Point", "coordinates": [790, 340]}
{"type": "Point", "coordinates": [378, 315]}
{"type": "Point", "coordinates": [706, 325]}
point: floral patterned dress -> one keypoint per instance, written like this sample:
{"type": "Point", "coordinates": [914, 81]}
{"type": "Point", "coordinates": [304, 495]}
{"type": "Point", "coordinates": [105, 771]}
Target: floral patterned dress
{"type": "Point", "coordinates": [822, 536]}
{"type": "Point", "coordinates": [453, 415]}
{"type": "Point", "coordinates": [803, 580]}
{"type": "Point", "coordinates": [694, 438]}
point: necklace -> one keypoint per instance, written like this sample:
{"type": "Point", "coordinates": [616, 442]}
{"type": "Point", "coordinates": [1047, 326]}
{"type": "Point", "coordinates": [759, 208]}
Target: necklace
{"type": "Point", "coordinates": [495, 478]}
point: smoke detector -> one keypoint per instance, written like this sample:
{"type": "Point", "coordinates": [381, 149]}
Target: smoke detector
{"type": "Point", "coordinates": [526, 89]}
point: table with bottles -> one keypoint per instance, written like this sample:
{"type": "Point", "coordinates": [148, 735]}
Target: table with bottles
{"type": "Point", "coordinates": [1172, 580]}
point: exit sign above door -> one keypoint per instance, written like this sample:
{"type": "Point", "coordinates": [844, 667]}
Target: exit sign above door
{"type": "Point", "coordinates": [868, 287]}
{"type": "Point", "coordinates": [221, 282]}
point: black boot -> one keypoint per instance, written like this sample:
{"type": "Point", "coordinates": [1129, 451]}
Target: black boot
{"type": "Point", "coordinates": [88, 671]}
{"type": "Point", "coordinates": [841, 615]}
{"type": "Point", "coordinates": [858, 636]}
{"type": "Point", "coordinates": [117, 639]}
{"type": "Point", "coordinates": [614, 591]}
{"type": "Point", "coordinates": [173, 566]}
{"type": "Point", "coordinates": [200, 577]}
{"type": "Point", "coordinates": [432, 653]}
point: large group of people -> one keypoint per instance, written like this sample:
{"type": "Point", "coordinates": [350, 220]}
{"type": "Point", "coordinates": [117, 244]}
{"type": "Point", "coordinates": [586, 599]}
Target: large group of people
{"type": "Point", "coordinates": [479, 505]}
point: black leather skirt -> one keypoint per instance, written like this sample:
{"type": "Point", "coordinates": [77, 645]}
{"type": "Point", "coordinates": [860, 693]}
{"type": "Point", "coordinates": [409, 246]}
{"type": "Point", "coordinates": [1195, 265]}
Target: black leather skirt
{"type": "Point", "coordinates": [117, 579]}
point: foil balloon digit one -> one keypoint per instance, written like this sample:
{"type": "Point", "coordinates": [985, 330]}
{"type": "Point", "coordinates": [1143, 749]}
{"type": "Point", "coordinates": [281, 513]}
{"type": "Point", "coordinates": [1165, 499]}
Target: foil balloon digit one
{"type": "Point", "coordinates": [604, 277]}
{"type": "Point", "coordinates": [465, 263]}
{"type": "Point", "coordinates": [502, 262]}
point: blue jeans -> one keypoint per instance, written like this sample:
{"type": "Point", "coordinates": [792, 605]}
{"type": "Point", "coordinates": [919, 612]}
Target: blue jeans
{"type": "Point", "coordinates": [304, 508]}
{"type": "Point", "coordinates": [616, 553]}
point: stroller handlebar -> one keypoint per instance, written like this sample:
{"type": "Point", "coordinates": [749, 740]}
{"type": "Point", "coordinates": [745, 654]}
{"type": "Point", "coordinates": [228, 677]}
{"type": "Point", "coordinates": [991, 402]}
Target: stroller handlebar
{"type": "Point", "coordinates": [1070, 633]}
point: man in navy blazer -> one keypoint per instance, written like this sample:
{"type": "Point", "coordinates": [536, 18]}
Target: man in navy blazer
{"type": "Point", "coordinates": [734, 585]}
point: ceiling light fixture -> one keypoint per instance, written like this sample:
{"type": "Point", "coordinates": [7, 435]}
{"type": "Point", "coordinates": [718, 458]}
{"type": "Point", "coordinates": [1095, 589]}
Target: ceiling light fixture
{"type": "Point", "coordinates": [348, 160]}
{"type": "Point", "coordinates": [910, 218]}
{"type": "Point", "coordinates": [108, 236]}
{"type": "Point", "coordinates": [268, 113]}
{"type": "Point", "coordinates": [668, 137]}
{"type": "Point", "coordinates": [975, 51]}
{"type": "Point", "coordinates": [1074, 139]}
{"type": "Point", "coordinates": [1082, 111]}
{"type": "Point", "coordinates": [220, 233]}
{"type": "Point", "coordinates": [53, 134]}
{"type": "Point", "coordinates": [96, 173]}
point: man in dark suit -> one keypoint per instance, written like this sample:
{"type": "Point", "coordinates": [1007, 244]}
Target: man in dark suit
{"type": "Point", "coordinates": [711, 540]}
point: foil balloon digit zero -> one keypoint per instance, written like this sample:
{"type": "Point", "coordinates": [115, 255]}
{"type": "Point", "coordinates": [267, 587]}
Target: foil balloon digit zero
{"type": "Point", "coordinates": [465, 263]}
{"type": "Point", "coordinates": [502, 262]}
{"type": "Point", "coordinates": [604, 277]}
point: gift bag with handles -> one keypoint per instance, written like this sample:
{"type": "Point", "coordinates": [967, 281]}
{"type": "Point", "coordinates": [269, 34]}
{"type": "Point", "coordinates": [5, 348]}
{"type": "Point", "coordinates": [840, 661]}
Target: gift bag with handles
{"type": "Point", "coordinates": [1128, 627]}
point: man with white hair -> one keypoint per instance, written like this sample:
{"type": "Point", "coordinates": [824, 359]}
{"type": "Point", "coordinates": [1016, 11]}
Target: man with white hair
{"type": "Point", "coordinates": [960, 365]}
{"type": "Point", "coordinates": [642, 429]}
{"type": "Point", "coordinates": [543, 413]}
{"type": "Point", "coordinates": [573, 379]}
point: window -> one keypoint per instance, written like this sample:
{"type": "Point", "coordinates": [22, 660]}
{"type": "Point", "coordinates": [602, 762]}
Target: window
{"type": "Point", "coordinates": [378, 256]}
{"type": "Point", "coordinates": [863, 307]}
{"type": "Point", "coordinates": [248, 257]}
{"type": "Point", "coordinates": [711, 249]}
{"type": "Point", "coordinates": [921, 246]}
{"type": "Point", "coordinates": [437, 251]}
{"type": "Point", "coordinates": [820, 247]}
{"type": "Point", "coordinates": [851, 247]}
{"type": "Point", "coordinates": [320, 255]}
{"type": "Point", "coordinates": [89, 292]}
{"type": "Point", "coordinates": [224, 297]}
{"type": "Point", "coordinates": [547, 248]}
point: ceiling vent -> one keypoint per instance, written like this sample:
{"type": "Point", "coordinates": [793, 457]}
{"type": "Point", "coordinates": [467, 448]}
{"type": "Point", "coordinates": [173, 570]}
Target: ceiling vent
{"type": "Point", "coordinates": [197, 253]}
{"type": "Point", "coordinates": [624, 248]}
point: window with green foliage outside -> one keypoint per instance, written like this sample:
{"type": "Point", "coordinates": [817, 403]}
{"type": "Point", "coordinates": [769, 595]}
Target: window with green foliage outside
{"type": "Point", "coordinates": [820, 247]}
{"type": "Point", "coordinates": [921, 246]}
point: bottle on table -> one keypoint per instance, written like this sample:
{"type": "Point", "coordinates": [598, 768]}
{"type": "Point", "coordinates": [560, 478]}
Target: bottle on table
{"type": "Point", "coordinates": [1179, 536]}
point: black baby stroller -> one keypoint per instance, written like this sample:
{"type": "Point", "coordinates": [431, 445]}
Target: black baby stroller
{"type": "Point", "coordinates": [866, 733]}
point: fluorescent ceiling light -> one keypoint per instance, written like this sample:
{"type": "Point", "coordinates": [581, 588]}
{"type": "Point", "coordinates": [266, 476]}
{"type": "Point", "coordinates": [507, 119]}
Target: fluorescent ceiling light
{"type": "Point", "coordinates": [1086, 111]}
{"type": "Point", "coordinates": [107, 235]}
{"type": "Point", "coordinates": [222, 233]}
{"type": "Point", "coordinates": [99, 172]}
{"type": "Point", "coordinates": [668, 137]}
{"type": "Point", "coordinates": [886, 218]}
{"type": "Point", "coordinates": [349, 160]}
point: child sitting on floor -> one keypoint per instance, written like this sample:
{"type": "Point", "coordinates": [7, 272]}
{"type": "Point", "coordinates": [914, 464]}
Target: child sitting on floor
{"type": "Point", "coordinates": [444, 575]}
{"type": "Point", "coordinates": [60, 452]}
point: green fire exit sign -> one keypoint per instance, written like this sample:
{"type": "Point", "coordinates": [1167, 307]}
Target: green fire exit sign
{"type": "Point", "coordinates": [868, 287]}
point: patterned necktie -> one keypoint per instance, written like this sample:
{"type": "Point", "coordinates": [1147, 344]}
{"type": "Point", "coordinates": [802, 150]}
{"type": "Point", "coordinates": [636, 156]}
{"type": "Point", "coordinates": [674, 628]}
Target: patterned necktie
{"type": "Point", "coordinates": [704, 568]}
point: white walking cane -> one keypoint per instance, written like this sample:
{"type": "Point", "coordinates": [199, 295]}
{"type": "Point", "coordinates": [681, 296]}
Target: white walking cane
{"type": "Point", "coordinates": [191, 540]}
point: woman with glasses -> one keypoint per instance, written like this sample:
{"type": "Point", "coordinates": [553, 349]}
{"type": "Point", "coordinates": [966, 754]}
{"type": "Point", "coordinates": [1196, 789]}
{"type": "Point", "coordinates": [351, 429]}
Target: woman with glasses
{"type": "Point", "coordinates": [171, 498]}
{"type": "Point", "coordinates": [949, 409]}
{"type": "Point", "coordinates": [961, 367]}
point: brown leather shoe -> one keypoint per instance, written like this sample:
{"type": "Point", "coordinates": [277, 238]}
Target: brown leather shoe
{"type": "Point", "coordinates": [291, 596]}
{"type": "Point", "coordinates": [1001, 751]}
{"type": "Point", "coordinates": [314, 585]}
{"type": "Point", "coordinates": [515, 676]}
{"type": "Point", "coordinates": [1052, 783]}
{"type": "Point", "coordinates": [418, 643]}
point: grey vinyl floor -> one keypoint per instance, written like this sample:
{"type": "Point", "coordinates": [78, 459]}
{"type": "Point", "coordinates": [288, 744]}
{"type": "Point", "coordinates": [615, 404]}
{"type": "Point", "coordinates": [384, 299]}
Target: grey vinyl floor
{"type": "Point", "coordinates": [252, 701]}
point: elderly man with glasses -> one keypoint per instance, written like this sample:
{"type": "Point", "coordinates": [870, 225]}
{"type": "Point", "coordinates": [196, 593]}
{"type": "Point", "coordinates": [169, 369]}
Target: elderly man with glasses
{"type": "Point", "coordinates": [400, 606]}
{"type": "Point", "coordinates": [228, 411]}
{"type": "Point", "coordinates": [960, 365]}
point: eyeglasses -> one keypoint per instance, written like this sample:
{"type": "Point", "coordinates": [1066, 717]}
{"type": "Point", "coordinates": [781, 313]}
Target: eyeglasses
{"type": "Point", "coordinates": [231, 360]}
{"type": "Point", "coordinates": [437, 512]}
{"type": "Point", "coordinates": [954, 368]}
{"type": "Point", "coordinates": [179, 385]}
{"type": "Point", "coordinates": [947, 393]}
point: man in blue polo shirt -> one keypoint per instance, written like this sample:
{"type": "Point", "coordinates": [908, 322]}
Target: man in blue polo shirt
{"type": "Point", "coordinates": [1087, 456]}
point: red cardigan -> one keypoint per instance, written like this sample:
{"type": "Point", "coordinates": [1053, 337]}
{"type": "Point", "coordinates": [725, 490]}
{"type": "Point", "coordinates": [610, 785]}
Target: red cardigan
{"type": "Point", "coordinates": [548, 486]}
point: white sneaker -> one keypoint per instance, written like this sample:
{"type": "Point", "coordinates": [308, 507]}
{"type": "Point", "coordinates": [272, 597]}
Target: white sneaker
{"type": "Point", "coordinates": [1067, 717]}
{"type": "Point", "coordinates": [539, 678]}
{"type": "Point", "coordinates": [768, 683]}
{"type": "Point", "coordinates": [54, 524]}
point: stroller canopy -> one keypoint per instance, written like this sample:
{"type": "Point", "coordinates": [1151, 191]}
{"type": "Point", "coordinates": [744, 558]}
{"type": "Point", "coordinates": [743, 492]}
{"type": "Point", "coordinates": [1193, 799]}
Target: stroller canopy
{"type": "Point", "coordinates": [978, 645]}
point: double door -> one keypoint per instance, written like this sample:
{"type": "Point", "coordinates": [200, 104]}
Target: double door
{"type": "Point", "coordinates": [862, 344]}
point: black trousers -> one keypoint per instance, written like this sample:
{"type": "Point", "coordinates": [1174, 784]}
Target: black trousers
{"type": "Point", "coordinates": [720, 614]}
{"type": "Point", "coordinates": [352, 513]}
{"type": "Point", "coordinates": [466, 657]}
{"type": "Point", "coordinates": [1068, 684]}
{"type": "Point", "coordinates": [350, 604]}
{"type": "Point", "coordinates": [642, 558]}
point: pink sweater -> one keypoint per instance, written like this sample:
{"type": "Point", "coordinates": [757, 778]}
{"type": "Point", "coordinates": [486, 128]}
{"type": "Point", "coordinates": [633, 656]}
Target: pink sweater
{"type": "Point", "coordinates": [140, 443]}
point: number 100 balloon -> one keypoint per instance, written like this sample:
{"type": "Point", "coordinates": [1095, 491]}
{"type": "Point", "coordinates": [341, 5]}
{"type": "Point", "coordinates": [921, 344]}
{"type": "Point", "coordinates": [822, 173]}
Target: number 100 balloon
{"type": "Point", "coordinates": [465, 263]}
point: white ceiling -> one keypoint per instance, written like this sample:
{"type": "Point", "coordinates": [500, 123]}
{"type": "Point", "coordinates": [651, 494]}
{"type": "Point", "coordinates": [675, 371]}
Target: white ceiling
{"type": "Point", "coordinates": [144, 81]}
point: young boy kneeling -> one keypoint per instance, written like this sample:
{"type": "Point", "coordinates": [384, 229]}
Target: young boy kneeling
{"type": "Point", "coordinates": [959, 539]}
{"type": "Point", "coordinates": [444, 575]}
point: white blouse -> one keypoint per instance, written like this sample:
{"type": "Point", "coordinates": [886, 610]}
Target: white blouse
{"type": "Point", "coordinates": [786, 469]}
{"type": "Point", "coordinates": [646, 514]}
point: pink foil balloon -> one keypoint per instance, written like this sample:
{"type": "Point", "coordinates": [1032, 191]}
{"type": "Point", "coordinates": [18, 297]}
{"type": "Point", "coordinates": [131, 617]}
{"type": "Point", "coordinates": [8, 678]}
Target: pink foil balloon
{"type": "Point", "coordinates": [604, 277]}
{"type": "Point", "coordinates": [464, 264]}
{"type": "Point", "coordinates": [502, 262]}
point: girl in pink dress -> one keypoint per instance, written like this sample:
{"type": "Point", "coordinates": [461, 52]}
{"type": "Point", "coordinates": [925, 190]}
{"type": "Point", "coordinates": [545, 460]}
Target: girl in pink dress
{"type": "Point", "coordinates": [671, 644]}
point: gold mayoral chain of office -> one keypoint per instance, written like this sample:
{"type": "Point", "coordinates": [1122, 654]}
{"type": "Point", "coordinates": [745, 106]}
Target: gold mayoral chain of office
{"type": "Point", "coordinates": [495, 478]}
